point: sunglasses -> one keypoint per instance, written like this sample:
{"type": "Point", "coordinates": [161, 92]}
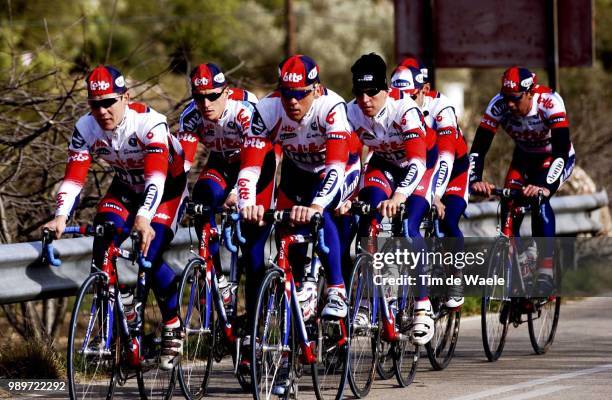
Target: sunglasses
{"type": "Point", "coordinates": [104, 103]}
{"type": "Point", "coordinates": [369, 92]}
{"type": "Point", "coordinates": [208, 96]}
{"type": "Point", "coordinates": [513, 99]}
{"type": "Point", "coordinates": [287, 93]}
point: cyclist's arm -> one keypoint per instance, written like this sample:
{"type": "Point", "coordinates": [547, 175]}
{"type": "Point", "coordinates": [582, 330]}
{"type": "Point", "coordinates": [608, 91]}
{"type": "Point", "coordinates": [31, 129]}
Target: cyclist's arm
{"type": "Point", "coordinates": [337, 146]}
{"type": "Point", "coordinates": [189, 143]}
{"type": "Point", "coordinates": [255, 146]}
{"type": "Point", "coordinates": [155, 169]}
{"type": "Point", "coordinates": [187, 136]}
{"type": "Point", "coordinates": [478, 152]}
{"type": "Point", "coordinates": [484, 137]}
{"type": "Point", "coordinates": [560, 141]}
{"type": "Point", "coordinates": [447, 134]}
{"type": "Point", "coordinates": [416, 151]}
{"type": "Point", "coordinates": [79, 160]}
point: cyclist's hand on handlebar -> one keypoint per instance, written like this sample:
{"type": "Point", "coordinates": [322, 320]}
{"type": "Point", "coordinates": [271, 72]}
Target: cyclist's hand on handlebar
{"type": "Point", "coordinates": [231, 201]}
{"type": "Point", "coordinates": [143, 226]}
{"type": "Point", "coordinates": [303, 214]}
{"type": "Point", "coordinates": [482, 188]}
{"type": "Point", "coordinates": [57, 225]}
{"type": "Point", "coordinates": [253, 214]}
{"type": "Point", "coordinates": [440, 207]}
{"type": "Point", "coordinates": [533, 191]}
{"type": "Point", "coordinates": [389, 208]}
{"type": "Point", "coordinates": [344, 208]}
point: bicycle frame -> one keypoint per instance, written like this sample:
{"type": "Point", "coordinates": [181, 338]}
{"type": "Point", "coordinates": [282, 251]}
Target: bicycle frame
{"type": "Point", "coordinates": [108, 270]}
{"type": "Point", "coordinates": [390, 332]}
{"type": "Point", "coordinates": [210, 234]}
{"type": "Point", "coordinates": [291, 302]}
{"type": "Point", "coordinates": [507, 231]}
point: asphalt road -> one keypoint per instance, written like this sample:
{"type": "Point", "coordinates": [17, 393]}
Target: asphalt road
{"type": "Point", "coordinates": [578, 366]}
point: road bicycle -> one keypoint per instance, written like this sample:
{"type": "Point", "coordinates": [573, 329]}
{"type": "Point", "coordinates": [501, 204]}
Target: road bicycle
{"type": "Point", "coordinates": [381, 315]}
{"type": "Point", "coordinates": [102, 350]}
{"type": "Point", "coordinates": [211, 331]}
{"type": "Point", "coordinates": [507, 302]}
{"type": "Point", "coordinates": [441, 347]}
{"type": "Point", "coordinates": [282, 342]}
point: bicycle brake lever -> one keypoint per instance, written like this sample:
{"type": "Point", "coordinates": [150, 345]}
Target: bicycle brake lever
{"type": "Point", "coordinates": [48, 256]}
{"type": "Point", "coordinates": [321, 241]}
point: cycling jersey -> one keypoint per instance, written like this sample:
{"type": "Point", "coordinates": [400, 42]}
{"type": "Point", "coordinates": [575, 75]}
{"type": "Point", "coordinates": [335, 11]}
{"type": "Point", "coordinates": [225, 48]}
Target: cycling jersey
{"type": "Point", "coordinates": [140, 150]}
{"type": "Point", "coordinates": [319, 144]}
{"type": "Point", "coordinates": [544, 130]}
{"type": "Point", "coordinates": [397, 135]}
{"type": "Point", "coordinates": [453, 163]}
{"type": "Point", "coordinates": [532, 133]}
{"type": "Point", "coordinates": [223, 137]}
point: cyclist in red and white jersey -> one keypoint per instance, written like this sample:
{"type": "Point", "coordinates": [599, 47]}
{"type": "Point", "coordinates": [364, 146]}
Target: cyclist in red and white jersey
{"type": "Point", "coordinates": [535, 117]}
{"type": "Point", "coordinates": [219, 117]}
{"type": "Point", "coordinates": [146, 192]}
{"type": "Point", "coordinates": [393, 128]}
{"type": "Point", "coordinates": [320, 167]}
{"type": "Point", "coordinates": [450, 194]}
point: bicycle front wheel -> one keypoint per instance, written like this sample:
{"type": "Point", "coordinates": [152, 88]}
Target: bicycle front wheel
{"type": "Point", "coordinates": [365, 335]}
{"type": "Point", "coordinates": [194, 306]}
{"type": "Point", "coordinates": [153, 382]}
{"type": "Point", "coordinates": [93, 342]}
{"type": "Point", "coordinates": [272, 318]}
{"type": "Point", "coordinates": [330, 372]}
{"type": "Point", "coordinates": [441, 347]}
{"type": "Point", "coordinates": [406, 355]}
{"type": "Point", "coordinates": [496, 304]}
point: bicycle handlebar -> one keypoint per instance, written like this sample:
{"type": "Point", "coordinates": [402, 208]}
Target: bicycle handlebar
{"type": "Point", "coordinates": [101, 230]}
{"type": "Point", "coordinates": [512, 194]}
{"type": "Point", "coordinates": [316, 221]}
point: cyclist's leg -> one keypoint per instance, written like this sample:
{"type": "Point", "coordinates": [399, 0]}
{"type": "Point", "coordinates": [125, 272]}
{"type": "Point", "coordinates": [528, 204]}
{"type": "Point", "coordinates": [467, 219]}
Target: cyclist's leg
{"type": "Point", "coordinates": [298, 187]}
{"type": "Point", "coordinates": [256, 237]}
{"type": "Point", "coordinates": [164, 279]}
{"type": "Point", "coordinates": [543, 224]}
{"type": "Point", "coordinates": [377, 187]}
{"type": "Point", "coordinates": [212, 188]}
{"type": "Point", "coordinates": [417, 207]}
{"type": "Point", "coordinates": [515, 179]}
{"type": "Point", "coordinates": [113, 208]}
{"type": "Point", "coordinates": [345, 224]}
{"type": "Point", "coordinates": [454, 208]}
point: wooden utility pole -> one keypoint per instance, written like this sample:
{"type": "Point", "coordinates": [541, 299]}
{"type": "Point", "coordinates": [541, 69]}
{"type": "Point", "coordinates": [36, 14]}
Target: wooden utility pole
{"type": "Point", "coordinates": [290, 40]}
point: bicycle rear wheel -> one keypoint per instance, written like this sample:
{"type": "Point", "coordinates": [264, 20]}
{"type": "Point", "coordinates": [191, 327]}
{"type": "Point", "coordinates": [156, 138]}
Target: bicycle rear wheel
{"type": "Point", "coordinates": [196, 363]}
{"type": "Point", "coordinates": [153, 382]}
{"type": "Point", "coordinates": [496, 304]}
{"type": "Point", "coordinates": [330, 372]}
{"type": "Point", "coordinates": [365, 336]}
{"type": "Point", "coordinates": [269, 330]}
{"type": "Point", "coordinates": [93, 357]}
{"type": "Point", "coordinates": [441, 348]}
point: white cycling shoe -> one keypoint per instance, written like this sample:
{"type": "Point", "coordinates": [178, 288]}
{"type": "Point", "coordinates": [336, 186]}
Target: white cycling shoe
{"type": "Point", "coordinates": [454, 302]}
{"type": "Point", "coordinates": [422, 324]}
{"type": "Point", "coordinates": [336, 307]}
{"type": "Point", "coordinates": [307, 297]}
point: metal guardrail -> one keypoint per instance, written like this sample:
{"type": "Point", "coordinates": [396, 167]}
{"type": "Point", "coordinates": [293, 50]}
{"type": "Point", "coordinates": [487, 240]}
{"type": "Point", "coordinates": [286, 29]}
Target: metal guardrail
{"type": "Point", "coordinates": [24, 278]}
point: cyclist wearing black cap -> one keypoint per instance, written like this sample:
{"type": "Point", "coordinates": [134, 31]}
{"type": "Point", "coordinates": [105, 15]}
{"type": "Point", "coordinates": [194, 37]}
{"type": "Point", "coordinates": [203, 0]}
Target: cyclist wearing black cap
{"type": "Point", "coordinates": [394, 131]}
